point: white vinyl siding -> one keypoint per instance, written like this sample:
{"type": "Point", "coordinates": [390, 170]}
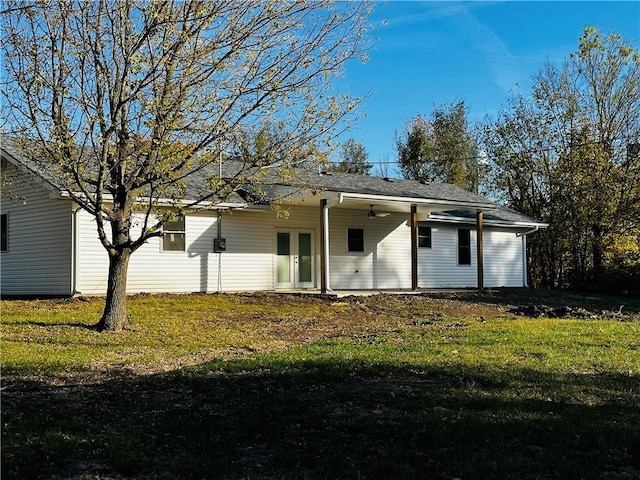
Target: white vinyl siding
{"type": "Point", "coordinates": [503, 258]}
{"type": "Point", "coordinates": [246, 265]}
{"type": "Point", "coordinates": [249, 261]}
{"type": "Point", "coordinates": [386, 260]}
{"type": "Point", "coordinates": [150, 269]}
{"type": "Point", "coordinates": [38, 256]}
{"type": "Point", "coordinates": [438, 267]}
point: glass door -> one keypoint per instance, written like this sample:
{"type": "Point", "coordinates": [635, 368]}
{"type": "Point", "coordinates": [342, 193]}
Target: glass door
{"type": "Point", "coordinates": [294, 258]}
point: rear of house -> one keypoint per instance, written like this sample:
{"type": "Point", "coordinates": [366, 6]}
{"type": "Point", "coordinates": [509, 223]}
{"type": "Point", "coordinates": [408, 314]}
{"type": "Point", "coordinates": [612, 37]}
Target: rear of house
{"type": "Point", "coordinates": [353, 232]}
{"type": "Point", "coordinates": [266, 252]}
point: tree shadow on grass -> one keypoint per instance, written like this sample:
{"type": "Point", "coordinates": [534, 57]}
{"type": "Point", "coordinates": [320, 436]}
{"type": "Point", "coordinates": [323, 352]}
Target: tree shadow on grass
{"type": "Point", "coordinates": [615, 306]}
{"type": "Point", "coordinates": [324, 419]}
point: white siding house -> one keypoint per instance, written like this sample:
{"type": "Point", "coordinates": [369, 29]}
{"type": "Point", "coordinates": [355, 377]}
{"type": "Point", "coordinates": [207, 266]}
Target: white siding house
{"type": "Point", "coordinates": [354, 233]}
{"type": "Point", "coordinates": [504, 255]}
{"type": "Point", "coordinates": [36, 257]}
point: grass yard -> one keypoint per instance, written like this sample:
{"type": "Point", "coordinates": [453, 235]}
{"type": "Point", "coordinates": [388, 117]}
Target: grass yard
{"type": "Point", "coordinates": [495, 385]}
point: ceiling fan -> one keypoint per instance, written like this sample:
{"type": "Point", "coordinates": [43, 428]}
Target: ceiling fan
{"type": "Point", "coordinates": [373, 214]}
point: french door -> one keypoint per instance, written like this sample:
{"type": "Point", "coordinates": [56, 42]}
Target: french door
{"type": "Point", "coordinates": [294, 258]}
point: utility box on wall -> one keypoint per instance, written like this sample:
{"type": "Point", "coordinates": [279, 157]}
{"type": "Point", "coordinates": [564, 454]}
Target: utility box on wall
{"type": "Point", "coordinates": [219, 245]}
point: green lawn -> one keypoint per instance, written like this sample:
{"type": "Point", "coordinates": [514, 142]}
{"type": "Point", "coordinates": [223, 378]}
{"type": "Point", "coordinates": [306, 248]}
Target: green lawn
{"type": "Point", "coordinates": [263, 386]}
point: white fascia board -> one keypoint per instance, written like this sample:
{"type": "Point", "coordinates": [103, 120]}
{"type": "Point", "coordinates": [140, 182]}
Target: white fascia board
{"type": "Point", "coordinates": [167, 202]}
{"type": "Point", "coordinates": [494, 223]}
{"type": "Point", "coordinates": [417, 201]}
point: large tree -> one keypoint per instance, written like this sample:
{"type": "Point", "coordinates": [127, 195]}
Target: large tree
{"type": "Point", "coordinates": [568, 154]}
{"type": "Point", "coordinates": [353, 158]}
{"type": "Point", "coordinates": [414, 146]}
{"type": "Point", "coordinates": [440, 150]}
{"type": "Point", "coordinates": [124, 100]}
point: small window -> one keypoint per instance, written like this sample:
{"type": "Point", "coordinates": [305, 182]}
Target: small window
{"type": "Point", "coordinates": [424, 236]}
{"type": "Point", "coordinates": [4, 237]}
{"type": "Point", "coordinates": [355, 239]}
{"type": "Point", "coordinates": [464, 246]}
{"type": "Point", "coordinates": [173, 235]}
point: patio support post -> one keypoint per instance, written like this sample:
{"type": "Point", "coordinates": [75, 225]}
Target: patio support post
{"type": "Point", "coordinates": [414, 247]}
{"type": "Point", "coordinates": [323, 246]}
{"type": "Point", "coordinates": [480, 252]}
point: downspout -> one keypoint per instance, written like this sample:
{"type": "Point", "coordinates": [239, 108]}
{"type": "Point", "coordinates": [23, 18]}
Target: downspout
{"type": "Point", "coordinates": [524, 253]}
{"type": "Point", "coordinates": [219, 233]}
{"type": "Point", "coordinates": [325, 253]}
{"type": "Point", "coordinates": [480, 249]}
{"type": "Point", "coordinates": [74, 251]}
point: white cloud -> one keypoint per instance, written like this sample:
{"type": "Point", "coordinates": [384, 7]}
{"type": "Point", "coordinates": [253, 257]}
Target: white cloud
{"type": "Point", "coordinates": [504, 66]}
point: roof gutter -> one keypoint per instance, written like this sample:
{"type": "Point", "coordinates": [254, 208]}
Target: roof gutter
{"type": "Point", "coordinates": [167, 202]}
{"type": "Point", "coordinates": [528, 232]}
{"type": "Point", "coordinates": [494, 223]}
{"type": "Point", "coordinates": [415, 200]}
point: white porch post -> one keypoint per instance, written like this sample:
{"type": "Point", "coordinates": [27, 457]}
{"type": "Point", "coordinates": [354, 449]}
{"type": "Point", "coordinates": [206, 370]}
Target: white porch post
{"type": "Point", "coordinates": [324, 246]}
{"type": "Point", "coordinates": [414, 247]}
{"type": "Point", "coordinates": [480, 249]}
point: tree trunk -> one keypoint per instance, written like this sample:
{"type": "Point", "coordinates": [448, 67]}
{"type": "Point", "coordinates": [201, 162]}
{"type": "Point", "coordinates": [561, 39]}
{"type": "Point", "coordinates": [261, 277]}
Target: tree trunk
{"type": "Point", "coordinates": [114, 317]}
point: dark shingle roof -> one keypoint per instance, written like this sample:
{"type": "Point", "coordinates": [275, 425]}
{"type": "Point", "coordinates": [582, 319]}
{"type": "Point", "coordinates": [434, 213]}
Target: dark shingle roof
{"type": "Point", "coordinates": [333, 182]}
{"type": "Point", "coordinates": [11, 146]}
{"type": "Point", "coordinates": [353, 183]}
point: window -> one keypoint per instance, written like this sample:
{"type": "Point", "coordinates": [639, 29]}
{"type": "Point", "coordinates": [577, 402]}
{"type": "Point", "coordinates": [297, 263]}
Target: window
{"type": "Point", "coordinates": [173, 235]}
{"type": "Point", "coordinates": [424, 236]}
{"type": "Point", "coordinates": [4, 237]}
{"type": "Point", "coordinates": [464, 246]}
{"type": "Point", "coordinates": [355, 239]}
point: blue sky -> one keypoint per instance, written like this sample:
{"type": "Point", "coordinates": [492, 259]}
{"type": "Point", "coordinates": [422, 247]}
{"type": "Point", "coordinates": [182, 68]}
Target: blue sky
{"type": "Point", "coordinates": [426, 54]}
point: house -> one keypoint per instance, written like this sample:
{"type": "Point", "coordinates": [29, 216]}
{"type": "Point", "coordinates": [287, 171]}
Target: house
{"type": "Point", "coordinates": [342, 232]}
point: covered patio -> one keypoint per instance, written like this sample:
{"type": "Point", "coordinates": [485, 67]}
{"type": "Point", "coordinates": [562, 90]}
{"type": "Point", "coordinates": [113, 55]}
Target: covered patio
{"type": "Point", "coordinates": [415, 209]}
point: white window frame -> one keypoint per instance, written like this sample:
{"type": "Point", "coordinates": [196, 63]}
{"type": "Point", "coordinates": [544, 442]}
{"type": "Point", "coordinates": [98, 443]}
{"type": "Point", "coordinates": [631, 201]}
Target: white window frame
{"type": "Point", "coordinates": [430, 236]}
{"type": "Point", "coordinates": [356, 252]}
{"type": "Point", "coordinates": [166, 231]}
{"type": "Point", "coordinates": [458, 247]}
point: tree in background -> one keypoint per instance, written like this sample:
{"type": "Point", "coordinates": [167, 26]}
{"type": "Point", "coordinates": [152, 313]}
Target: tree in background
{"type": "Point", "coordinates": [353, 158]}
{"type": "Point", "coordinates": [125, 100]}
{"type": "Point", "coordinates": [442, 150]}
{"type": "Point", "coordinates": [568, 155]}
{"type": "Point", "coordinates": [414, 146]}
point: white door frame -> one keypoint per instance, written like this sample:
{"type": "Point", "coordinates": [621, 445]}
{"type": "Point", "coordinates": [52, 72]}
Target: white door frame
{"type": "Point", "coordinates": [287, 264]}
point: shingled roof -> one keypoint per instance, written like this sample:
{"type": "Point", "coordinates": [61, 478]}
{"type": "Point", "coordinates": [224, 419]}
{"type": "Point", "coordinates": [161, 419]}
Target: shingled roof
{"type": "Point", "coordinates": [366, 184]}
{"type": "Point", "coordinates": [323, 181]}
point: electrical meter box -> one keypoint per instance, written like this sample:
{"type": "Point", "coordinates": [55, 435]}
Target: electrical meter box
{"type": "Point", "coordinates": [219, 245]}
